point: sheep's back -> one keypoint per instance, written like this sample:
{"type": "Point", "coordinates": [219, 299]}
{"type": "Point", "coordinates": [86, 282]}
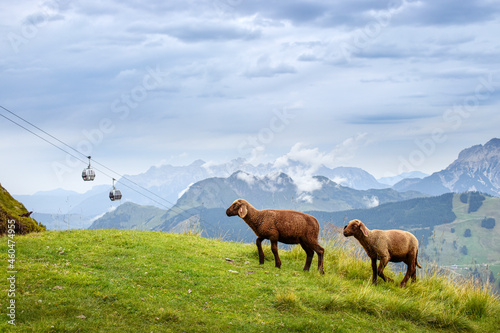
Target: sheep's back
{"type": "Point", "coordinates": [398, 242]}
{"type": "Point", "coordinates": [293, 224]}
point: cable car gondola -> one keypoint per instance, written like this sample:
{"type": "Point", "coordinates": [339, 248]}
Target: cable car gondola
{"type": "Point", "coordinates": [115, 194]}
{"type": "Point", "coordinates": [88, 174]}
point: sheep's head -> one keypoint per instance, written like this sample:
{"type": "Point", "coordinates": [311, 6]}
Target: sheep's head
{"type": "Point", "coordinates": [239, 207]}
{"type": "Point", "coordinates": [355, 228]}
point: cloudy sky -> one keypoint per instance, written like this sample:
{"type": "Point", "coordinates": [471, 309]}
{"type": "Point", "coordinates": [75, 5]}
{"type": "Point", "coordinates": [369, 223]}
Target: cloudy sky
{"type": "Point", "coordinates": [386, 86]}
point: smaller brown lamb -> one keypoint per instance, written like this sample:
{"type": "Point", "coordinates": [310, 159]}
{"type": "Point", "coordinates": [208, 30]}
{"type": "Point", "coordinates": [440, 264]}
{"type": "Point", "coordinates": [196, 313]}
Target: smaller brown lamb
{"type": "Point", "coordinates": [286, 226]}
{"type": "Point", "coordinates": [386, 245]}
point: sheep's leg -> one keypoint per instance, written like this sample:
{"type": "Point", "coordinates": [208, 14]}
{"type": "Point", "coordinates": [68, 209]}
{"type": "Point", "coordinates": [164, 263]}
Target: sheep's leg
{"type": "Point", "coordinates": [407, 276]}
{"type": "Point", "coordinates": [414, 269]}
{"type": "Point", "coordinates": [259, 249]}
{"type": "Point", "coordinates": [374, 269]}
{"type": "Point", "coordinates": [414, 274]}
{"type": "Point", "coordinates": [381, 266]}
{"type": "Point", "coordinates": [410, 272]}
{"type": "Point", "coordinates": [320, 252]}
{"type": "Point", "coordinates": [309, 253]}
{"type": "Point", "coordinates": [274, 248]}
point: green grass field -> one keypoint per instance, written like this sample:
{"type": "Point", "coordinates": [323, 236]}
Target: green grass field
{"type": "Point", "coordinates": [139, 281]}
{"type": "Point", "coordinates": [482, 253]}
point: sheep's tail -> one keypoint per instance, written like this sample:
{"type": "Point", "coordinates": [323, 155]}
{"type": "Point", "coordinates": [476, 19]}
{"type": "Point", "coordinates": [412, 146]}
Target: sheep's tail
{"type": "Point", "coordinates": [416, 261]}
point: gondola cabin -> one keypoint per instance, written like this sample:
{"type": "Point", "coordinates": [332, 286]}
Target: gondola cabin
{"type": "Point", "coordinates": [88, 174]}
{"type": "Point", "coordinates": [115, 194]}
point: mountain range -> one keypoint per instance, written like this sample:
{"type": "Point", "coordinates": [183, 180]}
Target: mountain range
{"type": "Point", "coordinates": [276, 190]}
{"type": "Point", "coordinates": [169, 182]}
{"type": "Point", "coordinates": [160, 186]}
{"type": "Point", "coordinates": [476, 169]}
{"type": "Point", "coordinates": [281, 191]}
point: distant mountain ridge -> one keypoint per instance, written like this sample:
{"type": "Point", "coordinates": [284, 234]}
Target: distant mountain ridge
{"type": "Point", "coordinates": [277, 190]}
{"type": "Point", "coordinates": [170, 182]}
{"type": "Point", "coordinates": [396, 179]}
{"type": "Point", "coordinates": [476, 169]}
{"type": "Point", "coordinates": [63, 209]}
{"type": "Point", "coordinates": [130, 216]}
{"type": "Point", "coordinates": [355, 178]}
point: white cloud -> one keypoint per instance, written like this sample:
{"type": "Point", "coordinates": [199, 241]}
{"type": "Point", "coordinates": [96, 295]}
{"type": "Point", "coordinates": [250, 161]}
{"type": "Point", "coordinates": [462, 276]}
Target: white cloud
{"type": "Point", "coordinates": [246, 177]}
{"type": "Point", "coordinates": [340, 180]}
{"type": "Point", "coordinates": [306, 198]}
{"type": "Point", "coordinates": [127, 74]}
{"type": "Point", "coordinates": [266, 68]}
{"type": "Point", "coordinates": [302, 163]}
{"type": "Point", "coordinates": [305, 182]}
{"type": "Point", "coordinates": [181, 193]}
{"type": "Point", "coordinates": [110, 209]}
{"type": "Point", "coordinates": [209, 165]}
{"type": "Point", "coordinates": [228, 64]}
{"type": "Point", "coordinates": [371, 201]}
{"type": "Point", "coordinates": [314, 158]}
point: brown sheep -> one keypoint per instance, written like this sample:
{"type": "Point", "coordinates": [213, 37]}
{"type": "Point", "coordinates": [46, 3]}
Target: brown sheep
{"type": "Point", "coordinates": [386, 245]}
{"type": "Point", "coordinates": [286, 226]}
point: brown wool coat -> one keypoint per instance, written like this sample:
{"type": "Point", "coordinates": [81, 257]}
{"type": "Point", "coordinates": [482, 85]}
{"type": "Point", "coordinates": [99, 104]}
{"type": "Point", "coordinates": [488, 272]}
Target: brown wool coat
{"type": "Point", "coordinates": [386, 245]}
{"type": "Point", "coordinates": [285, 226]}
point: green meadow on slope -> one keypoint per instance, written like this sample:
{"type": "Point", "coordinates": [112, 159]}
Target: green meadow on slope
{"type": "Point", "coordinates": [13, 210]}
{"type": "Point", "coordinates": [142, 281]}
{"type": "Point", "coordinates": [466, 245]}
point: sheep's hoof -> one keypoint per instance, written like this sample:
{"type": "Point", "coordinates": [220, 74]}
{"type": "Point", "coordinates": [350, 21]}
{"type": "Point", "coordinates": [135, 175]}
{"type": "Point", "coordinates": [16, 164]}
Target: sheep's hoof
{"type": "Point", "coordinates": [374, 282]}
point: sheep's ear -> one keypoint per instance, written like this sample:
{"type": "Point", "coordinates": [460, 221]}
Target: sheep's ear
{"type": "Point", "coordinates": [363, 229]}
{"type": "Point", "coordinates": [242, 212]}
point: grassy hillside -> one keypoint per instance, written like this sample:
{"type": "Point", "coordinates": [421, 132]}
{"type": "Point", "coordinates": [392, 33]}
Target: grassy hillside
{"type": "Point", "coordinates": [448, 228]}
{"type": "Point", "coordinates": [11, 209]}
{"type": "Point", "coordinates": [142, 281]}
{"type": "Point", "coordinates": [476, 251]}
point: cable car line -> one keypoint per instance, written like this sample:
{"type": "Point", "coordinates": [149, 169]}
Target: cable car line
{"type": "Point", "coordinates": [127, 186]}
{"type": "Point", "coordinates": [41, 130]}
{"type": "Point", "coordinates": [40, 137]}
{"type": "Point", "coordinates": [66, 152]}
{"type": "Point", "coordinates": [180, 211]}
{"type": "Point", "coordinates": [65, 144]}
{"type": "Point", "coordinates": [172, 207]}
